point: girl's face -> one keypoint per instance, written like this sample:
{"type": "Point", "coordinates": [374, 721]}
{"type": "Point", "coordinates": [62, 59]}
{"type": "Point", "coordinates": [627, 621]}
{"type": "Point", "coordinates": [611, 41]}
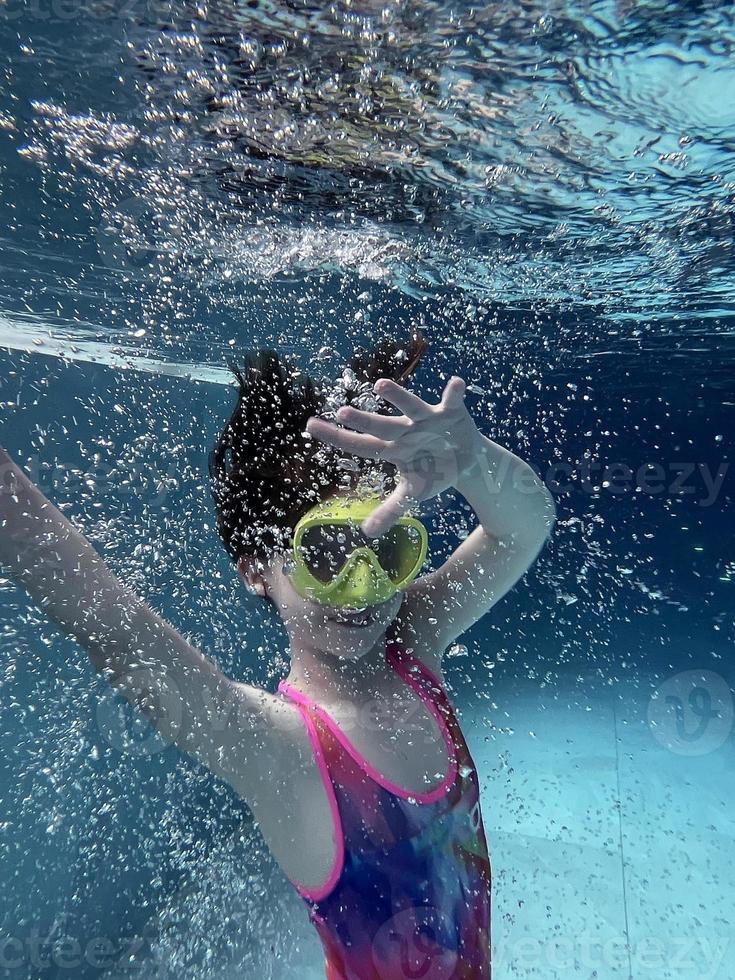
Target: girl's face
{"type": "Point", "coordinates": [327, 629]}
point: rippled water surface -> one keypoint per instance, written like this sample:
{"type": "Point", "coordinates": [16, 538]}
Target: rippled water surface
{"type": "Point", "coordinates": [577, 154]}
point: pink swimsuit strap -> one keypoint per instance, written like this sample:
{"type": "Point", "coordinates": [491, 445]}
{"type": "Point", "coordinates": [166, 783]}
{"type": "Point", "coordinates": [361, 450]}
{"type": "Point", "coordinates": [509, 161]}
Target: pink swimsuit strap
{"type": "Point", "coordinates": [411, 873]}
{"type": "Point", "coordinates": [427, 686]}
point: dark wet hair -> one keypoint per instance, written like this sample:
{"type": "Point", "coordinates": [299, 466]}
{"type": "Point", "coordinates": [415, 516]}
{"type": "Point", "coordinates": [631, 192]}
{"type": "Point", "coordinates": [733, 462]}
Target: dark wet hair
{"type": "Point", "coordinates": [265, 471]}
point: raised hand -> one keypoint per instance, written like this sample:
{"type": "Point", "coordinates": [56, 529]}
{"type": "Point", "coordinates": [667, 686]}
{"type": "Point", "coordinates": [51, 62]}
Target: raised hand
{"type": "Point", "coordinates": [432, 446]}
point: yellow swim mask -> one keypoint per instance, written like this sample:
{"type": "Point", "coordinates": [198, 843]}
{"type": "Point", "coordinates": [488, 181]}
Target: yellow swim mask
{"type": "Point", "coordinates": [336, 564]}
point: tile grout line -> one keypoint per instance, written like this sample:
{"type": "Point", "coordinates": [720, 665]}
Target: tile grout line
{"type": "Point", "coordinates": [622, 847]}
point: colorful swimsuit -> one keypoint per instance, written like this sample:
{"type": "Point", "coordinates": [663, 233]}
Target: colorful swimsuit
{"type": "Point", "coordinates": [409, 893]}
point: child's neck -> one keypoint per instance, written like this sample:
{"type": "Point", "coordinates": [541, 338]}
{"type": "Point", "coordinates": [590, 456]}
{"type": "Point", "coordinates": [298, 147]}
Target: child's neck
{"type": "Point", "coordinates": [329, 677]}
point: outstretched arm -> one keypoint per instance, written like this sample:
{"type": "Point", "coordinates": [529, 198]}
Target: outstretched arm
{"type": "Point", "coordinates": [185, 695]}
{"type": "Point", "coordinates": [516, 514]}
{"type": "Point", "coordinates": [435, 447]}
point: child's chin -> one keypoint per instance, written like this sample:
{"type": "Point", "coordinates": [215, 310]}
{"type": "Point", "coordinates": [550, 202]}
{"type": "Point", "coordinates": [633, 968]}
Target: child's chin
{"type": "Point", "coordinates": [353, 654]}
{"type": "Point", "coordinates": [353, 642]}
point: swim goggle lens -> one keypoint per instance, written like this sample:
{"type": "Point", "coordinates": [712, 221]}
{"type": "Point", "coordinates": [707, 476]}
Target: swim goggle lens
{"type": "Point", "coordinates": [326, 548]}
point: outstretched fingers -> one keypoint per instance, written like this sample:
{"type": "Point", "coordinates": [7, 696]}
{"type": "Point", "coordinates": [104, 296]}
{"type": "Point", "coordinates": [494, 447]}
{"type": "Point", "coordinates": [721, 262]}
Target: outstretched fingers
{"type": "Point", "coordinates": [381, 426]}
{"type": "Point", "coordinates": [405, 401]}
{"type": "Point", "coordinates": [454, 392]}
{"type": "Point", "coordinates": [357, 443]}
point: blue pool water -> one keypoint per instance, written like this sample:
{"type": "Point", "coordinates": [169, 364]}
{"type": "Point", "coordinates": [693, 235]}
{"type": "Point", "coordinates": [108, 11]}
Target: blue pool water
{"type": "Point", "coordinates": [547, 189]}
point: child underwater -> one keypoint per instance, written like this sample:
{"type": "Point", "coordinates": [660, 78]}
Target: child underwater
{"type": "Point", "coordinates": [315, 489]}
